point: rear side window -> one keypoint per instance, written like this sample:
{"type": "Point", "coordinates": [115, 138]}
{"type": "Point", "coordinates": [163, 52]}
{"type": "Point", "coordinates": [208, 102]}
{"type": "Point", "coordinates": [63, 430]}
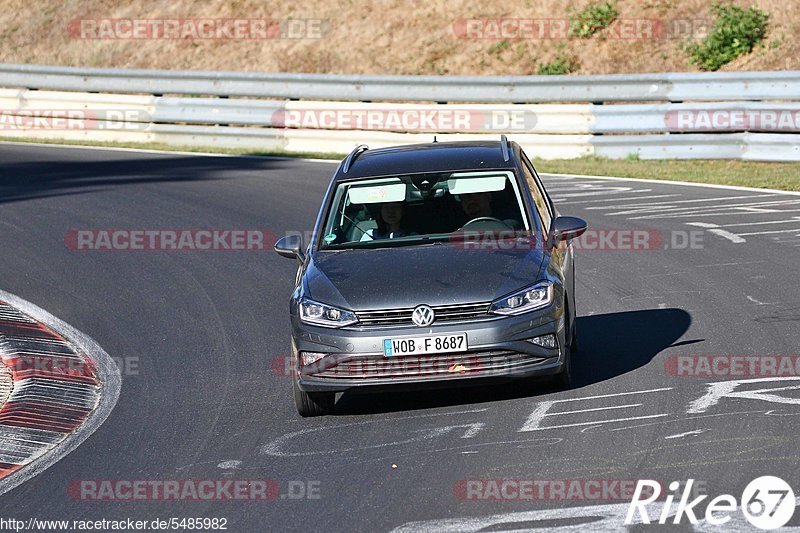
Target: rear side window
{"type": "Point", "coordinates": [542, 206]}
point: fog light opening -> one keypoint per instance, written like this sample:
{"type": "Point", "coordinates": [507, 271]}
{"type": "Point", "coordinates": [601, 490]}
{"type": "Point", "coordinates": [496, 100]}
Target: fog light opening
{"type": "Point", "coordinates": [309, 358]}
{"type": "Point", "coordinates": [545, 341]}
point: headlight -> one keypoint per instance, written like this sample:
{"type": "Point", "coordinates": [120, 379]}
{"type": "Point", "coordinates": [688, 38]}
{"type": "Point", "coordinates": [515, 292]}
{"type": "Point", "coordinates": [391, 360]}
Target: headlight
{"type": "Point", "coordinates": [536, 297]}
{"type": "Point", "coordinates": [318, 314]}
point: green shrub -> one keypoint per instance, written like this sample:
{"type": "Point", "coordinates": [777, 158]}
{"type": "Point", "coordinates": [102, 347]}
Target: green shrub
{"type": "Point", "coordinates": [560, 65]}
{"type": "Point", "coordinates": [592, 19]}
{"type": "Point", "coordinates": [736, 31]}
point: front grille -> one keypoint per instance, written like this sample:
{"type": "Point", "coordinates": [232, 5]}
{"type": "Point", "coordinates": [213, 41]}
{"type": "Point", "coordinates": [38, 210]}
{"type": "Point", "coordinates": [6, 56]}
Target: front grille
{"type": "Point", "coordinates": [377, 367]}
{"type": "Point", "coordinates": [442, 313]}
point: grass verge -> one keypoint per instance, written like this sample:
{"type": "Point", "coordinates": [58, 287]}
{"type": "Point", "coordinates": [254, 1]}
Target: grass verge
{"type": "Point", "coordinates": [781, 176]}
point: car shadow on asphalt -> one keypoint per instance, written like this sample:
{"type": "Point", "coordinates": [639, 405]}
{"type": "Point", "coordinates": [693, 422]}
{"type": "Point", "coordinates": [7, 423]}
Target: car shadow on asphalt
{"type": "Point", "coordinates": [610, 345]}
{"type": "Point", "coordinates": [94, 171]}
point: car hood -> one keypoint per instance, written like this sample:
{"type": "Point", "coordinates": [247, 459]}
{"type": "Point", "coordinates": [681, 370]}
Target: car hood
{"type": "Point", "coordinates": [403, 277]}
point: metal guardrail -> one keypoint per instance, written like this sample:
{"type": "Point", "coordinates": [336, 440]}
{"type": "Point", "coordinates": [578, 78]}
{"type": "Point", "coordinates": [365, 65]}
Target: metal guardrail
{"type": "Point", "coordinates": [664, 87]}
{"type": "Point", "coordinates": [477, 118]}
{"type": "Point", "coordinates": [649, 130]}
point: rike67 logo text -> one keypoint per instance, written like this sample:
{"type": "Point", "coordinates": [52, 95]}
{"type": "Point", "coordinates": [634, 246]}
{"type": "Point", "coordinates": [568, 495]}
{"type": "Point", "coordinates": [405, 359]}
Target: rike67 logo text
{"type": "Point", "coordinates": [767, 502]}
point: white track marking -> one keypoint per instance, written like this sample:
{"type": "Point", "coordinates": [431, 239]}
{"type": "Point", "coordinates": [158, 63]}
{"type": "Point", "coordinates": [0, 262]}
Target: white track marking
{"type": "Point", "coordinates": [598, 192]}
{"type": "Point", "coordinates": [473, 430]}
{"type": "Point", "coordinates": [769, 232]}
{"type": "Point", "coordinates": [726, 389]}
{"type": "Point", "coordinates": [686, 418]}
{"type": "Point", "coordinates": [593, 409]}
{"type": "Point", "coordinates": [649, 206]}
{"type": "Point", "coordinates": [673, 212]}
{"type": "Point", "coordinates": [541, 411]}
{"type": "Point", "coordinates": [622, 199]}
{"type": "Point", "coordinates": [682, 210]}
{"type": "Point", "coordinates": [274, 447]}
{"type": "Point", "coordinates": [681, 435]}
{"type": "Point", "coordinates": [595, 422]}
{"type": "Point", "coordinates": [613, 395]}
{"type": "Point", "coordinates": [695, 214]}
{"type": "Point", "coordinates": [578, 519]}
{"type": "Point", "coordinates": [759, 210]}
{"type": "Point", "coordinates": [110, 378]}
{"type": "Point", "coordinates": [721, 211]}
{"type": "Point", "coordinates": [583, 184]}
{"type": "Point", "coordinates": [674, 182]}
{"type": "Point", "coordinates": [713, 228]}
{"type": "Point", "coordinates": [758, 302]}
{"type": "Point", "coordinates": [793, 220]}
{"type": "Point", "coordinates": [713, 265]}
{"type": "Point", "coordinates": [728, 235]}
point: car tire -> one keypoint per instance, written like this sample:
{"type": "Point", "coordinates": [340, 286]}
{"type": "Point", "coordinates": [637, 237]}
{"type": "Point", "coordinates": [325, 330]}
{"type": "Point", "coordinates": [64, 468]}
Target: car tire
{"type": "Point", "coordinates": [313, 403]}
{"type": "Point", "coordinates": [573, 343]}
{"type": "Point", "coordinates": [563, 379]}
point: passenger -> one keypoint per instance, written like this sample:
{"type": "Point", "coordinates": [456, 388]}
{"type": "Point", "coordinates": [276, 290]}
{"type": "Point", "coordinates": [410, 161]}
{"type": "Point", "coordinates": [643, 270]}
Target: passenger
{"type": "Point", "coordinates": [389, 223]}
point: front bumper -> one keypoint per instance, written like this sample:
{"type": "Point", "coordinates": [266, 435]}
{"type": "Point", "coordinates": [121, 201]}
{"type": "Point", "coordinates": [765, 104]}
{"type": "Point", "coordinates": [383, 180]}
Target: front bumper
{"type": "Point", "coordinates": [498, 348]}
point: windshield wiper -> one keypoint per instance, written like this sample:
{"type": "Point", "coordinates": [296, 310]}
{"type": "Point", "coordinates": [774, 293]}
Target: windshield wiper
{"type": "Point", "coordinates": [379, 244]}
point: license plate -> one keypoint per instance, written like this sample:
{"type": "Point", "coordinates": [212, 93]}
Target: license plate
{"type": "Point", "coordinates": [456, 342]}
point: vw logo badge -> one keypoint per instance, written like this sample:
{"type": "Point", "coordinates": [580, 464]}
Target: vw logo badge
{"type": "Point", "coordinates": [422, 315]}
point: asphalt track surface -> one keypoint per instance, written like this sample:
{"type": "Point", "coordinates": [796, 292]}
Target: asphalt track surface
{"type": "Point", "coordinates": [203, 329]}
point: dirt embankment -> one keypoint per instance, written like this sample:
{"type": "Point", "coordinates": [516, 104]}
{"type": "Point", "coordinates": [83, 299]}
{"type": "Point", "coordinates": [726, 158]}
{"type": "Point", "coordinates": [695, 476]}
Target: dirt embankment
{"type": "Point", "coordinates": [444, 37]}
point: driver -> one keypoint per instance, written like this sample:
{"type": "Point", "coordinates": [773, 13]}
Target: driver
{"type": "Point", "coordinates": [479, 205]}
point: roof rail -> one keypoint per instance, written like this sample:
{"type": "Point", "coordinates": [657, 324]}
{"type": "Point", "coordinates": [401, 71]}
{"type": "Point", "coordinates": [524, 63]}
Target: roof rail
{"type": "Point", "coordinates": [348, 161]}
{"type": "Point", "coordinates": [504, 148]}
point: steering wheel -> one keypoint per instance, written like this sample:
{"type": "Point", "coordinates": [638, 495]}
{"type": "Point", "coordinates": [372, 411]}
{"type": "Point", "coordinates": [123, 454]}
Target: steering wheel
{"type": "Point", "coordinates": [489, 223]}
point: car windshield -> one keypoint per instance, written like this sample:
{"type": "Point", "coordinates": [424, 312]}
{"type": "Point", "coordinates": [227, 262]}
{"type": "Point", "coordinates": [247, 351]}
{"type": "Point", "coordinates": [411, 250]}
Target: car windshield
{"type": "Point", "coordinates": [409, 209]}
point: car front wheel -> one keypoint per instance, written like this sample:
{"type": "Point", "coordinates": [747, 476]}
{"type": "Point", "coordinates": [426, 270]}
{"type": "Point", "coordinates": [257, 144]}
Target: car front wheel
{"type": "Point", "coordinates": [563, 379]}
{"type": "Point", "coordinates": [313, 403]}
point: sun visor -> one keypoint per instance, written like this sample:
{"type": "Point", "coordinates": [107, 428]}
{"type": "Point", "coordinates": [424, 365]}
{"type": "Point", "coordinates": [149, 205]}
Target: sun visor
{"type": "Point", "coordinates": [377, 193]}
{"type": "Point", "coordinates": [467, 185]}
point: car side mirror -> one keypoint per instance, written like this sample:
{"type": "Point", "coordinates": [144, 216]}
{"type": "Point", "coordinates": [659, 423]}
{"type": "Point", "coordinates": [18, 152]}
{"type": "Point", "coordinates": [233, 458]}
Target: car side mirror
{"type": "Point", "coordinates": [290, 246]}
{"type": "Point", "coordinates": [566, 228]}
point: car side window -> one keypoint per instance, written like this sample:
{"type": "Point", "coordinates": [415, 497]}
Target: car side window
{"type": "Point", "coordinates": [539, 198]}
